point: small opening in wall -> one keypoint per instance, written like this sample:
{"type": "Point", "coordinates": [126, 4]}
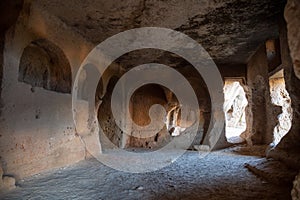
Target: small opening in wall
{"type": "Point", "coordinates": [172, 123]}
{"type": "Point", "coordinates": [273, 53]}
{"type": "Point", "coordinates": [234, 108]}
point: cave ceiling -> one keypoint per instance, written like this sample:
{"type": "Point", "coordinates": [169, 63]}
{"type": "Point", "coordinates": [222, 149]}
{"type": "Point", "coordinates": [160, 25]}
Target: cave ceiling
{"type": "Point", "coordinates": [230, 30]}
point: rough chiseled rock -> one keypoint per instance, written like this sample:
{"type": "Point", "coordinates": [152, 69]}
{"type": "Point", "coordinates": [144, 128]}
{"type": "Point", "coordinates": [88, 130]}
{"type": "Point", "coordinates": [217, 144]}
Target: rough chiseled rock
{"type": "Point", "coordinates": [281, 98]}
{"type": "Point", "coordinates": [44, 136]}
{"type": "Point", "coordinates": [227, 29]}
{"type": "Point", "coordinates": [296, 188]}
{"type": "Point", "coordinates": [292, 16]}
{"type": "Point", "coordinates": [6, 182]}
{"type": "Point", "coordinates": [272, 171]}
{"type": "Point", "coordinates": [289, 147]}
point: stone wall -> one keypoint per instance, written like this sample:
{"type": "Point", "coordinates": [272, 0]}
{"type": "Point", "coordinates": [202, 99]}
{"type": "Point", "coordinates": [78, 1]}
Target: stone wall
{"type": "Point", "coordinates": [29, 143]}
{"type": "Point", "coordinates": [37, 127]}
{"type": "Point", "coordinates": [296, 188]}
{"type": "Point", "coordinates": [289, 147]}
{"type": "Point", "coordinates": [292, 16]}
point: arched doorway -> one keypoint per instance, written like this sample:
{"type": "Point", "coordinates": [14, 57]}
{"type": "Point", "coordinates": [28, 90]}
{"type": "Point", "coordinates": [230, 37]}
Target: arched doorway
{"type": "Point", "coordinates": [234, 108]}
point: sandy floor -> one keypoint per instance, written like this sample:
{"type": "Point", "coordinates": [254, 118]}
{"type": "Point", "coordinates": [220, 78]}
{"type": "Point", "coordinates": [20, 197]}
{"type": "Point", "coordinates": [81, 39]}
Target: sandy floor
{"type": "Point", "coordinates": [220, 175]}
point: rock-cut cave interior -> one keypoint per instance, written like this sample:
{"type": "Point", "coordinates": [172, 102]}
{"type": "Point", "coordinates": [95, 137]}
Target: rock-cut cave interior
{"type": "Point", "coordinates": [150, 99]}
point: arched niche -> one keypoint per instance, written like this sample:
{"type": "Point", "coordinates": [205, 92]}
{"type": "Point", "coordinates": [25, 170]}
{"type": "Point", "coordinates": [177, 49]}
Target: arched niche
{"type": "Point", "coordinates": [43, 64]}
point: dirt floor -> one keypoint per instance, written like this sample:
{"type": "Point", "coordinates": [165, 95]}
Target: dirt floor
{"type": "Point", "coordinates": [220, 175]}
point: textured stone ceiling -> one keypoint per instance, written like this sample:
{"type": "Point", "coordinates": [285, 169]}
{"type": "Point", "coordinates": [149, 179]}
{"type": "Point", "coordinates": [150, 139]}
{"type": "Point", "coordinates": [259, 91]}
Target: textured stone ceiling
{"type": "Point", "coordinates": [230, 30]}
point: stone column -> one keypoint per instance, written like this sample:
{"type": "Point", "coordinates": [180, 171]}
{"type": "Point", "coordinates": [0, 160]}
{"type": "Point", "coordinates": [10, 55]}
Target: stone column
{"type": "Point", "coordinates": [10, 11]}
{"type": "Point", "coordinates": [260, 132]}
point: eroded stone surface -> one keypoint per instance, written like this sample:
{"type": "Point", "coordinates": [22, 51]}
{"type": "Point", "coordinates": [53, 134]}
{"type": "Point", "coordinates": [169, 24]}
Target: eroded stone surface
{"type": "Point", "coordinates": [272, 171]}
{"type": "Point", "coordinates": [280, 97]}
{"type": "Point", "coordinates": [292, 16]}
{"type": "Point", "coordinates": [288, 149]}
{"type": "Point", "coordinates": [259, 129]}
{"type": "Point", "coordinates": [296, 188]}
{"type": "Point", "coordinates": [39, 132]}
{"type": "Point", "coordinates": [228, 29]}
